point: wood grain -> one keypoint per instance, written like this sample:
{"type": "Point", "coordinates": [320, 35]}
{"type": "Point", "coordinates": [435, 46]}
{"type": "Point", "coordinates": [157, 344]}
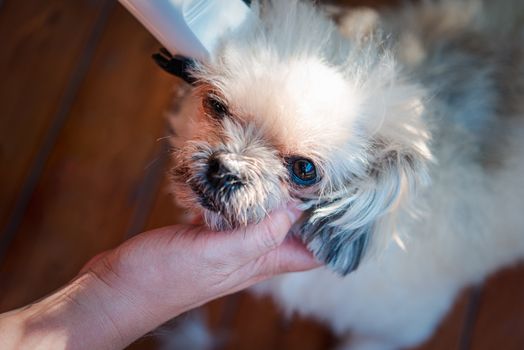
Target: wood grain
{"type": "Point", "coordinates": [87, 194]}
{"type": "Point", "coordinates": [500, 319]}
{"type": "Point", "coordinates": [42, 45]}
{"type": "Point", "coordinates": [256, 325]}
{"type": "Point", "coordinates": [449, 333]}
{"type": "Point", "coordinates": [259, 324]}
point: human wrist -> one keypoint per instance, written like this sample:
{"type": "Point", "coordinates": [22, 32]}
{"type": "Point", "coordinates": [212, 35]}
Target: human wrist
{"type": "Point", "coordinates": [91, 312]}
{"type": "Point", "coordinates": [68, 318]}
{"type": "Point", "coordinates": [128, 310]}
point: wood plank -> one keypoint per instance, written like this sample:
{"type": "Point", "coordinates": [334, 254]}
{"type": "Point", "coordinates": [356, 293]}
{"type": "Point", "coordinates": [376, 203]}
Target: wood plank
{"type": "Point", "coordinates": [449, 333]}
{"type": "Point", "coordinates": [164, 211]}
{"type": "Point", "coordinates": [86, 197]}
{"type": "Point", "coordinates": [42, 47]}
{"type": "Point", "coordinates": [256, 325]}
{"type": "Point", "coordinates": [500, 319]}
{"type": "Point", "coordinates": [259, 324]}
{"type": "Point", "coordinates": [305, 334]}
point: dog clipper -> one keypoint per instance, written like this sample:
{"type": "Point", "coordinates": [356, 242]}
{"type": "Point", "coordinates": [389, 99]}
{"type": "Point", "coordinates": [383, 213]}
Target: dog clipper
{"type": "Point", "coordinates": [188, 29]}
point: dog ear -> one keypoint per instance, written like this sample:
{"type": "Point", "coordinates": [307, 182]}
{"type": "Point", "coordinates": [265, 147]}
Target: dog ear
{"type": "Point", "coordinates": [339, 248]}
{"type": "Point", "coordinates": [338, 231]}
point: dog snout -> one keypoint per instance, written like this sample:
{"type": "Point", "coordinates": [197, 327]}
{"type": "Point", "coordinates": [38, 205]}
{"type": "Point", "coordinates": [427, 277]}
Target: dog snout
{"type": "Point", "coordinates": [221, 175]}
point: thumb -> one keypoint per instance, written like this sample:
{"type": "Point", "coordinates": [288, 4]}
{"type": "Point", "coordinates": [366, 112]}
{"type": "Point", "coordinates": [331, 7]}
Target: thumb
{"type": "Point", "coordinates": [253, 241]}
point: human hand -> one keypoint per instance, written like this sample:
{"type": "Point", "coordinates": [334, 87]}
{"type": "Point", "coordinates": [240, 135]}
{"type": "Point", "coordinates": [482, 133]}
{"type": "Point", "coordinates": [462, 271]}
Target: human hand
{"type": "Point", "coordinates": [177, 268]}
{"type": "Point", "coordinates": [126, 292]}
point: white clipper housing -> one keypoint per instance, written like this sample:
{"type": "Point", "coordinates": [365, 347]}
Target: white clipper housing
{"type": "Point", "coordinates": [189, 28]}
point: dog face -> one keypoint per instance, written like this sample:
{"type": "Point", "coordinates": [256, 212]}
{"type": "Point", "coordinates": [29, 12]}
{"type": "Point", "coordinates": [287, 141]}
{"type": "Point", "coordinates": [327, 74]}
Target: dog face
{"type": "Point", "coordinates": [289, 110]}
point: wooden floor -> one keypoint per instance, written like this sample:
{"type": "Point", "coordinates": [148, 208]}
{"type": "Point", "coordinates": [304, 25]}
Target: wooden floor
{"type": "Point", "coordinates": [83, 163]}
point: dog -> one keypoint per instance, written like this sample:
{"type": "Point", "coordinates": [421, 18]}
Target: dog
{"type": "Point", "coordinates": [400, 132]}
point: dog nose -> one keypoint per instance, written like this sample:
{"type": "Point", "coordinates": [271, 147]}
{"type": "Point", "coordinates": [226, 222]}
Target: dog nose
{"type": "Point", "coordinates": [221, 176]}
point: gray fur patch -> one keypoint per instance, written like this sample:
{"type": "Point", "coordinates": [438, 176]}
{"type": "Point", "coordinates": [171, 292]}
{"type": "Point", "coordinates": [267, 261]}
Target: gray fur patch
{"type": "Point", "coordinates": [341, 249]}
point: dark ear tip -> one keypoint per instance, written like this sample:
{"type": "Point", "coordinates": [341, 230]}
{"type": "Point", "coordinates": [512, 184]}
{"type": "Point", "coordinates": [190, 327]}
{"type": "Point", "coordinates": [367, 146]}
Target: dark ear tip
{"type": "Point", "coordinates": [340, 249]}
{"type": "Point", "coordinates": [159, 60]}
{"type": "Point", "coordinates": [179, 66]}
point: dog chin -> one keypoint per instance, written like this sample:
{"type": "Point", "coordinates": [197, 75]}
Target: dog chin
{"type": "Point", "coordinates": [224, 221]}
{"type": "Point", "coordinates": [221, 217]}
{"type": "Point", "coordinates": [216, 222]}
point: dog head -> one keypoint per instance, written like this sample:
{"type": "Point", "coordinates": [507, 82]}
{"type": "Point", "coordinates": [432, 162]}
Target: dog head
{"type": "Point", "coordinates": [290, 110]}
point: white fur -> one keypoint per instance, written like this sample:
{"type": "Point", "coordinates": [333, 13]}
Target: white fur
{"type": "Point", "coordinates": [420, 145]}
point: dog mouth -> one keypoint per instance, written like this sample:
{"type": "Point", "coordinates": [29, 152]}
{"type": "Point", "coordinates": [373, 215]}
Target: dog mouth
{"type": "Point", "coordinates": [217, 216]}
{"type": "Point", "coordinates": [221, 212]}
{"type": "Point", "coordinates": [204, 199]}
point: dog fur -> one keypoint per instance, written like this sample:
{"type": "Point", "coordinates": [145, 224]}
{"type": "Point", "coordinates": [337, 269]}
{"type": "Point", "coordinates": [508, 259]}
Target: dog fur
{"type": "Point", "coordinates": [414, 120]}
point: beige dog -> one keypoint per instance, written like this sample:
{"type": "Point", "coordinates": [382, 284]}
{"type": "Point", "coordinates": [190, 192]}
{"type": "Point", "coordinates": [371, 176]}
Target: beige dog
{"type": "Point", "coordinates": [402, 135]}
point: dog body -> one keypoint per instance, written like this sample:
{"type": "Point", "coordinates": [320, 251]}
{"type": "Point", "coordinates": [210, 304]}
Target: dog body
{"type": "Point", "coordinates": [402, 137]}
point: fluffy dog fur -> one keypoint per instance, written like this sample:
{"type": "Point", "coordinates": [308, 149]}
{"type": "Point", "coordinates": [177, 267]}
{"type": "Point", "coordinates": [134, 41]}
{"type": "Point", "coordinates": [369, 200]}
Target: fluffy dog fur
{"type": "Point", "coordinates": [414, 120]}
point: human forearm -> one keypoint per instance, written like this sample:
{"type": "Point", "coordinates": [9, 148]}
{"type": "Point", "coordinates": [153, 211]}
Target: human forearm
{"type": "Point", "coordinates": [85, 314]}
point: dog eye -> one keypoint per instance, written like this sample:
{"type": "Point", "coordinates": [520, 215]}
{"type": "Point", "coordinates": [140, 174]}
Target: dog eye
{"type": "Point", "coordinates": [215, 107]}
{"type": "Point", "coordinates": [303, 171]}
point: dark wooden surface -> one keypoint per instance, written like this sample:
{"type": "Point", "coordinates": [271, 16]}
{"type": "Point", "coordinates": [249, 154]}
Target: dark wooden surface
{"type": "Point", "coordinates": [82, 167]}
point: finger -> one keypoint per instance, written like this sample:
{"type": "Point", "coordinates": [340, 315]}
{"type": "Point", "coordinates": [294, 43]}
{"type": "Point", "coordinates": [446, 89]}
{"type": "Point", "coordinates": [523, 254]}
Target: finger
{"type": "Point", "coordinates": [249, 243]}
{"type": "Point", "coordinates": [291, 256]}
